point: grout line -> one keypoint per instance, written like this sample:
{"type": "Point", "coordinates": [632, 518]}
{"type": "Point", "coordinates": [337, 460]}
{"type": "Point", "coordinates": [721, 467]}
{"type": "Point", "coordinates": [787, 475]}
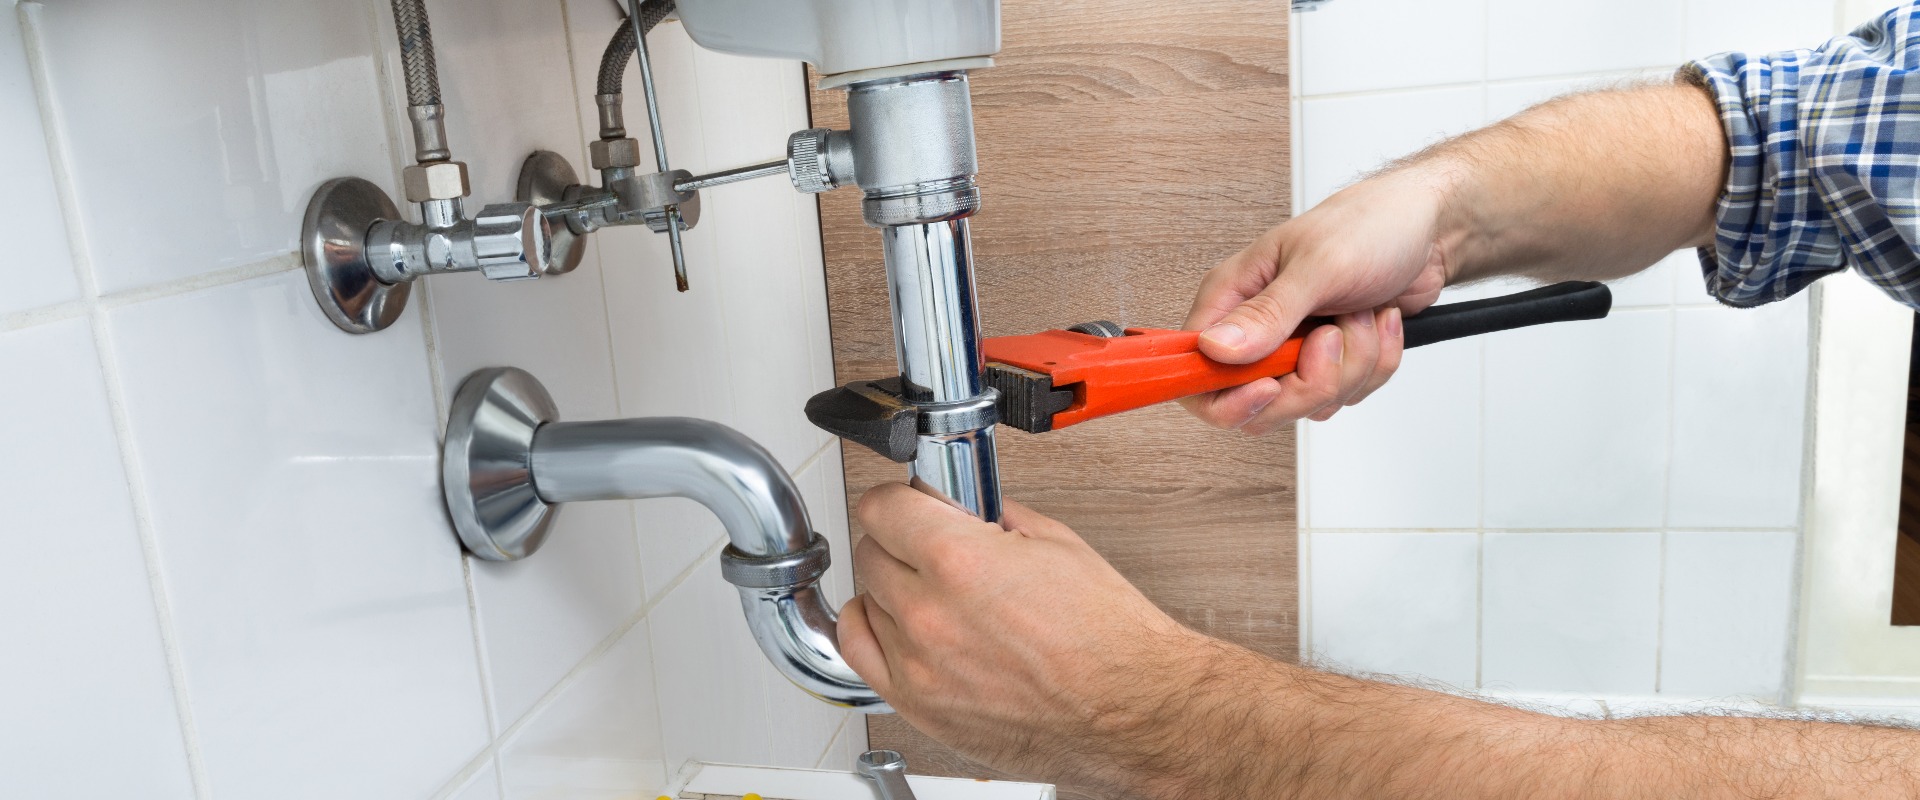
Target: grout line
{"type": "Point", "coordinates": [61, 161]}
{"type": "Point", "coordinates": [1479, 609]}
{"type": "Point", "coordinates": [483, 668]}
{"type": "Point", "coordinates": [809, 462]}
{"type": "Point", "coordinates": [1666, 495]}
{"type": "Point", "coordinates": [44, 315]}
{"type": "Point", "coordinates": [845, 717]}
{"type": "Point", "coordinates": [464, 777]}
{"type": "Point", "coordinates": [272, 265]}
{"type": "Point", "coordinates": [58, 312]}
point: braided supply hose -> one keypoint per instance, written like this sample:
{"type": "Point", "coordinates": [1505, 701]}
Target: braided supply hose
{"type": "Point", "coordinates": [613, 63]}
{"type": "Point", "coordinates": [416, 52]}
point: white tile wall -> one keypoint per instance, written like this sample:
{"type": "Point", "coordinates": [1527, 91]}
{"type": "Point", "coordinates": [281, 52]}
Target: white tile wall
{"type": "Point", "coordinates": [1351, 135]}
{"type": "Point", "coordinates": [1345, 43]}
{"type": "Point", "coordinates": [320, 605]}
{"type": "Point", "coordinates": [243, 578]}
{"type": "Point", "coordinates": [1577, 423]}
{"type": "Point", "coordinates": [1571, 612]}
{"type": "Point", "coordinates": [232, 110]}
{"type": "Point", "coordinates": [76, 690]}
{"type": "Point", "coordinates": [1740, 399]}
{"type": "Point", "coordinates": [1398, 603]}
{"type": "Point", "coordinates": [1532, 38]}
{"type": "Point", "coordinates": [1409, 457]}
{"type": "Point", "coordinates": [600, 737]}
{"type": "Point", "coordinates": [38, 270]}
{"type": "Point", "coordinates": [1624, 494]}
{"type": "Point", "coordinates": [1726, 614]}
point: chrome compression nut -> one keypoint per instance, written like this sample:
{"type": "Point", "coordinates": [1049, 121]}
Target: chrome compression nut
{"type": "Point", "coordinates": [614, 153]}
{"type": "Point", "coordinates": [437, 180]}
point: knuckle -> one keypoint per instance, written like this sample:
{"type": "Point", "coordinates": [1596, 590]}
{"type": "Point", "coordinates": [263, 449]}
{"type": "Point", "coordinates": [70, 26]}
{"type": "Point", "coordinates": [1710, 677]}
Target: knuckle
{"type": "Point", "coordinates": [1263, 309]}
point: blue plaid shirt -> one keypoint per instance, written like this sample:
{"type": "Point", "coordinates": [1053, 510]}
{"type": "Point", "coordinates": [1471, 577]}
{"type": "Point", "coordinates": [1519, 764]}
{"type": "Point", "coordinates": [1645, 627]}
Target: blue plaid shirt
{"type": "Point", "coordinates": [1826, 164]}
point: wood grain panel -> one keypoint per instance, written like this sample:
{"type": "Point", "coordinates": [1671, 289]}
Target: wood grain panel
{"type": "Point", "coordinates": [1125, 148]}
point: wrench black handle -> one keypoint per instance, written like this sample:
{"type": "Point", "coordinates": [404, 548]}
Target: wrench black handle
{"type": "Point", "coordinates": [1561, 302]}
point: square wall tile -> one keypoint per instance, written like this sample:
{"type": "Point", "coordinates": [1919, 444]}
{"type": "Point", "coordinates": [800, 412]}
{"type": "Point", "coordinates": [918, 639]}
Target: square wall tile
{"type": "Point", "coordinates": [1343, 138]}
{"type": "Point", "coordinates": [1407, 457]}
{"type": "Point", "coordinates": [85, 677]}
{"type": "Point", "coordinates": [599, 738]}
{"type": "Point", "coordinates": [293, 475]}
{"type": "Point", "coordinates": [1341, 45]}
{"type": "Point", "coordinates": [1728, 607]}
{"type": "Point", "coordinates": [710, 676]}
{"type": "Point", "coordinates": [1570, 612]}
{"type": "Point", "coordinates": [1740, 415]}
{"type": "Point", "coordinates": [1402, 604]}
{"type": "Point", "coordinates": [252, 104]}
{"type": "Point", "coordinates": [1758, 26]}
{"type": "Point", "coordinates": [38, 270]}
{"type": "Point", "coordinates": [541, 616]}
{"type": "Point", "coordinates": [1577, 423]}
{"type": "Point", "coordinates": [1539, 38]}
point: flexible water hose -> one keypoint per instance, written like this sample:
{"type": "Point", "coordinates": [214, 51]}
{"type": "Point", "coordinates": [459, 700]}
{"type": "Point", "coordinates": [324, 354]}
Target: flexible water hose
{"type": "Point", "coordinates": [416, 52]}
{"type": "Point", "coordinates": [613, 63]}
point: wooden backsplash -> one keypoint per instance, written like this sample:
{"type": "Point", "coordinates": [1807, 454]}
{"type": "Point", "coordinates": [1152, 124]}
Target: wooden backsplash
{"type": "Point", "coordinates": [1125, 147]}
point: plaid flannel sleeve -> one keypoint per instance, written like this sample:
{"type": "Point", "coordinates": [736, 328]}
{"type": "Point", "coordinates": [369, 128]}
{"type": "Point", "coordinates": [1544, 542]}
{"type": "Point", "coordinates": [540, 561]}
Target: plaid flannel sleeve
{"type": "Point", "coordinates": [1825, 164]}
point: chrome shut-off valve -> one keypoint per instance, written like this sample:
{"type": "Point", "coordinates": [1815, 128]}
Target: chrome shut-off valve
{"type": "Point", "coordinates": [362, 258]}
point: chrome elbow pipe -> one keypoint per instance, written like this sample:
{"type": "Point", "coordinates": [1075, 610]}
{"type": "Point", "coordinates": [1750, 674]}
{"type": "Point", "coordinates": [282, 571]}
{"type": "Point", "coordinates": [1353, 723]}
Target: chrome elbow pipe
{"type": "Point", "coordinates": [507, 465]}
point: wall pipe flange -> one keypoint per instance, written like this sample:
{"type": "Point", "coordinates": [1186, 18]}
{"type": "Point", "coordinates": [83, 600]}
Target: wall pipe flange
{"type": "Point", "coordinates": [547, 181]}
{"type": "Point", "coordinates": [333, 245]}
{"type": "Point", "coordinates": [486, 465]}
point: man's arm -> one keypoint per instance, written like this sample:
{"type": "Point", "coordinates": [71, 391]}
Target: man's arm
{"type": "Point", "coordinates": [1021, 647]}
{"type": "Point", "coordinates": [1594, 186]}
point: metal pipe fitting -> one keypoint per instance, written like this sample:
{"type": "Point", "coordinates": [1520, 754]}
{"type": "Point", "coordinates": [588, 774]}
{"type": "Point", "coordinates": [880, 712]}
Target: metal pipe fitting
{"type": "Point", "coordinates": [429, 133]}
{"type": "Point", "coordinates": [507, 463]}
{"type": "Point", "coordinates": [912, 142]}
{"type": "Point", "coordinates": [613, 120]}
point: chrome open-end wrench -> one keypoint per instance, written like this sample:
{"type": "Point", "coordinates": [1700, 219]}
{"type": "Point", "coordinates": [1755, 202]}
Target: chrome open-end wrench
{"type": "Point", "coordinates": [887, 770]}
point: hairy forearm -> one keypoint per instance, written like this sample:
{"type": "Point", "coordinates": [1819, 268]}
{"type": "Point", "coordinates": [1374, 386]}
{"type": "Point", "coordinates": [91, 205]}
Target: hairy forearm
{"type": "Point", "coordinates": [1588, 187]}
{"type": "Point", "coordinates": [1240, 725]}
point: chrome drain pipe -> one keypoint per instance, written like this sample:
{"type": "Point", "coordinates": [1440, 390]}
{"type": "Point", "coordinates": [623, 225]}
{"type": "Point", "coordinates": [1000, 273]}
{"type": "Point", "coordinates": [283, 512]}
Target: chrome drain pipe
{"type": "Point", "coordinates": [912, 155]}
{"type": "Point", "coordinates": [936, 334]}
{"type": "Point", "coordinates": [507, 465]}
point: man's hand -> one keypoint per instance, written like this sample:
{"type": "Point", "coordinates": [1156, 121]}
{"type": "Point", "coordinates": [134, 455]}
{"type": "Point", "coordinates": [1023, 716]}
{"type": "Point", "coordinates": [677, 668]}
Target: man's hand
{"type": "Point", "coordinates": [1590, 187]}
{"type": "Point", "coordinates": [1018, 645]}
{"type": "Point", "coordinates": [1367, 255]}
